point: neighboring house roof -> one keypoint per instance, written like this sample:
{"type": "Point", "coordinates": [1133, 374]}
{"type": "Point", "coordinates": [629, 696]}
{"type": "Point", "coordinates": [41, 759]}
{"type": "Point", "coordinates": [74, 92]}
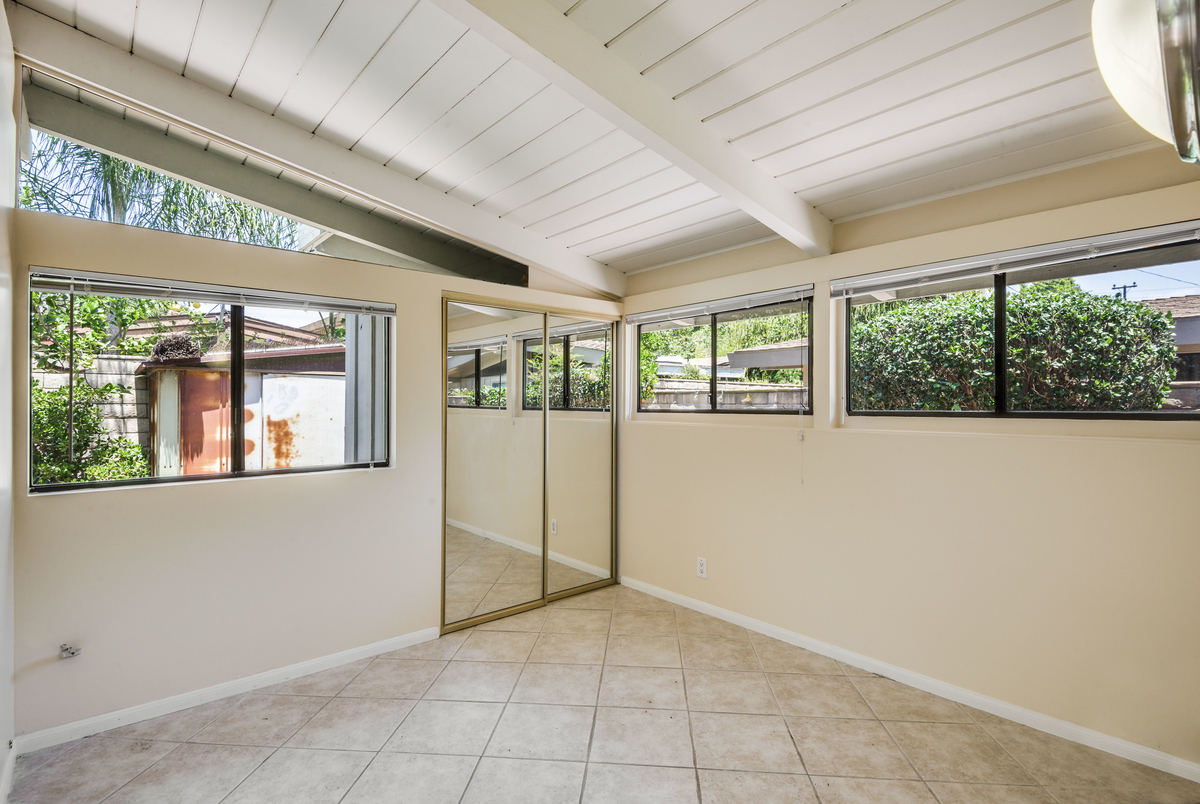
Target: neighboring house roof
{"type": "Point", "coordinates": [1177, 306]}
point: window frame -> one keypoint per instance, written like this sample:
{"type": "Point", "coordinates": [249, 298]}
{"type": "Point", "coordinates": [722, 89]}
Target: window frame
{"type": "Point", "coordinates": [566, 386]}
{"type": "Point", "coordinates": [237, 389]}
{"type": "Point", "coordinates": [1000, 371]}
{"type": "Point", "coordinates": [712, 380]}
{"type": "Point", "coordinates": [478, 374]}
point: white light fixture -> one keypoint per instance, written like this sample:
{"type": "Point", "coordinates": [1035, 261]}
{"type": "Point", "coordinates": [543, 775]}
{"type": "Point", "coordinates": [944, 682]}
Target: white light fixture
{"type": "Point", "coordinates": [1147, 55]}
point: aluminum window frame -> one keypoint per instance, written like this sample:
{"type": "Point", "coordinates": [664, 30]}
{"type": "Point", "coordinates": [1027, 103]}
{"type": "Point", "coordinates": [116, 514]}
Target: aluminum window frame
{"type": "Point", "coordinates": [712, 392]}
{"type": "Point", "coordinates": [566, 387]}
{"type": "Point", "coordinates": [1168, 240]}
{"type": "Point", "coordinates": [43, 280]}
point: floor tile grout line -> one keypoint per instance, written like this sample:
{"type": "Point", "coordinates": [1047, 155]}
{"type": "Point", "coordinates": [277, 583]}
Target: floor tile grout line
{"type": "Point", "coordinates": [128, 782]}
{"type": "Point", "coordinates": [786, 724]}
{"type": "Point", "coordinates": [891, 736]}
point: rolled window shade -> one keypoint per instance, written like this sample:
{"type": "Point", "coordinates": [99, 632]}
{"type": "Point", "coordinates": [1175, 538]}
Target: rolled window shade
{"type": "Point", "coordinates": [565, 329]}
{"type": "Point", "coordinates": [480, 343]}
{"type": "Point", "coordinates": [723, 305]}
{"type": "Point", "coordinates": [96, 284]}
{"type": "Point", "coordinates": [1017, 261]}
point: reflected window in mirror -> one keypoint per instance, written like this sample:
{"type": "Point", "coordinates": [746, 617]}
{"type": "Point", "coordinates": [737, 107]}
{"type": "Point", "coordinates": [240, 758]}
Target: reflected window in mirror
{"type": "Point", "coordinates": [477, 375]}
{"type": "Point", "coordinates": [578, 374]}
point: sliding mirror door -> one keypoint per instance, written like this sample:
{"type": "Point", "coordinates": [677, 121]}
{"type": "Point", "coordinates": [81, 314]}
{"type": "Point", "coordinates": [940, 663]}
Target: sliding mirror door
{"type": "Point", "coordinates": [494, 464]}
{"type": "Point", "coordinates": [578, 400]}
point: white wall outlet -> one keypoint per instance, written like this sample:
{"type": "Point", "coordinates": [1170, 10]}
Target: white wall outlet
{"type": "Point", "coordinates": [554, 526]}
{"type": "Point", "coordinates": [701, 568]}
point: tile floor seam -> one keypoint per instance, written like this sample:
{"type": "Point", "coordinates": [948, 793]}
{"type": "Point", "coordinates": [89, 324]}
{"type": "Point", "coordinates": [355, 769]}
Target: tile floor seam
{"type": "Point", "coordinates": [786, 724]}
{"type": "Point", "coordinates": [1018, 762]}
{"type": "Point", "coordinates": [892, 737]}
{"type": "Point", "coordinates": [102, 799]}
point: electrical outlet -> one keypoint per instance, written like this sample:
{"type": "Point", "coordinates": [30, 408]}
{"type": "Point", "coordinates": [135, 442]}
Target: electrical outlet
{"type": "Point", "coordinates": [701, 568]}
{"type": "Point", "coordinates": [554, 526]}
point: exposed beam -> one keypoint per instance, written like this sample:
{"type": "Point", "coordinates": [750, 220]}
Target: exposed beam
{"type": "Point", "coordinates": [106, 132]}
{"type": "Point", "coordinates": [63, 52]}
{"type": "Point", "coordinates": [537, 34]}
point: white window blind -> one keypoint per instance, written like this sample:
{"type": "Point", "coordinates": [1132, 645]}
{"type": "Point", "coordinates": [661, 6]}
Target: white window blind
{"type": "Point", "coordinates": [723, 305]}
{"type": "Point", "coordinates": [1017, 260]}
{"type": "Point", "coordinates": [49, 280]}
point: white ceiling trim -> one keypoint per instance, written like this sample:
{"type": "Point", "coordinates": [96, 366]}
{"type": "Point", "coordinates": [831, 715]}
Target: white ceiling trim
{"type": "Point", "coordinates": [533, 32]}
{"type": "Point", "coordinates": [71, 55]}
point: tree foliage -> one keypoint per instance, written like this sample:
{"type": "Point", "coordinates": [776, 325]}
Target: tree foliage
{"type": "Point", "coordinates": [90, 452]}
{"type": "Point", "coordinates": [589, 382]}
{"type": "Point", "coordinates": [1067, 350]}
{"type": "Point", "coordinates": [70, 179]}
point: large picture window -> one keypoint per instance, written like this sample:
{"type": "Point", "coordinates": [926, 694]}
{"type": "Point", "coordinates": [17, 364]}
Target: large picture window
{"type": "Point", "coordinates": [1072, 332]}
{"type": "Point", "coordinates": [748, 355]}
{"type": "Point", "coordinates": [133, 382]}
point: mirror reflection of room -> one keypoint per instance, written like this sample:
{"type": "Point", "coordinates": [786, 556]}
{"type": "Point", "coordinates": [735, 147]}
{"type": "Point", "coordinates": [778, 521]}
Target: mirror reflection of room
{"type": "Point", "coordinates": [494, 466]}
{"type": "Point", "coordinates": [579, 403]}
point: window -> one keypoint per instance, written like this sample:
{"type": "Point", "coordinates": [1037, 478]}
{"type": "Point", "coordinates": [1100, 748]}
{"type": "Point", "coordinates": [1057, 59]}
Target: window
{"type": "Point", "coordinates": [477, 375]}
{"type": "Point", "coordinates": [748, 355]}
{"type": "Point", "coordinates": [578, 373]}
{"type": "Point", "coordinates": [67, 178]}
{"type": "Point", "coordinates": [133, 381]}
{"type": "Point", "coordinates": [1108, 328]}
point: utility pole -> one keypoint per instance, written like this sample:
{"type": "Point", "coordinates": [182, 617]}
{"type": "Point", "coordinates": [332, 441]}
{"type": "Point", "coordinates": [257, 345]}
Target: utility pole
{"type": "Point", "coordinates": [1123, 290]}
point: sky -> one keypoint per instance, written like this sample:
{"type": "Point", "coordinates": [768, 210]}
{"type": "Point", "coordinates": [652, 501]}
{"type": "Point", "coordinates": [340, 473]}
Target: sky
{"type": "Point", "coordinates": [1157, 282]}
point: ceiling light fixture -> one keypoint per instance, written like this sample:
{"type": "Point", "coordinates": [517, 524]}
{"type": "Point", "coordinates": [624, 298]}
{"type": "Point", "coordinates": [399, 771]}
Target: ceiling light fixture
{"type": "Point", "coordinates": [1147, 52]}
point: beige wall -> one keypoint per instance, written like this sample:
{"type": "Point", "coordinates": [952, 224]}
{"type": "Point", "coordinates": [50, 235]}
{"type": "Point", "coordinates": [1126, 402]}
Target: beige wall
{"type": "Point", "coordinates": [174, 588]}
{"type": "Point", "coordinates": [8, 147]}
{"type": "Point", "coordinates": [1051, 565]}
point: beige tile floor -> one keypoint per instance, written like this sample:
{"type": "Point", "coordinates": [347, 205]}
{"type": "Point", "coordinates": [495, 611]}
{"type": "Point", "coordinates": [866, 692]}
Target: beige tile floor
{"type": "Point", "coordinates": [612, 697]}
{"type": "Point", "coordinates": [484, 575]}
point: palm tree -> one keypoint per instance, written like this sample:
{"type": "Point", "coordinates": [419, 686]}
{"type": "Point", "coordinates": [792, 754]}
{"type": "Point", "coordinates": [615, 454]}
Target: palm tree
{"type": "Point", "coordinates": [70, 179]}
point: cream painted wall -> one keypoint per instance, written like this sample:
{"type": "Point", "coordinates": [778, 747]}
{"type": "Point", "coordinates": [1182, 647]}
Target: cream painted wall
{"type": "Point", "coordinates": [581, 492]}
{"type": "Point", "coordinates": [175, 588]}
{"type": "Point", "coordinates": [8, 180]}
{"type": "Point", "coordinates": [1051, 565]}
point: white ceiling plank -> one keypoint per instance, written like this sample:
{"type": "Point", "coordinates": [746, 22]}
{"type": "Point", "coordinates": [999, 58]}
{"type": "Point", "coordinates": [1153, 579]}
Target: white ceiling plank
{"type": "Point", "coordinates": [163, 31]}
{"type": "Point", "coordinates": [1043, 102]}
{"type": "Point", "coordinates": [1085, 118]}
{"type": "Point", "coordinates": [604, 19]}
{"type": "Point", "coordinates": [532, 198]}
{"type": "Point", "coordinates": [695, 247]}
{"type": "Point", "coordinates": [110, 20]}
{"type": "Point", "coordinates": [225, 32]}
{"type": "Point", "coordinates": [565, 138]}
{"type": "Point", "coordinates": [54, 85]}
{"type": "Point", "coordinates": [191, 138]}
{"type": "Point", "coordinates": [61, 10]}
{"type": "Point", "coordinates": [358, 30]}
{"type": "Point", "coordinates": [55, 47]}
{"type": "Point", "coordinates": [98, 102]}
{"type": "Point", "coordinates": [764, 24]}
{"type": "Point", "coordinates": [851, 26]}
{"type": "Point", "coordinates": [1025, 39]}
{"type": "Point", "coordinates": [146, 120]}
{"type": "Point", "coordinates": [464, 67]}
{"type": "Point", "coordinates": [999, 168]}
{"type": "Point", "coordinates": [417, 45]}
{"type": "Point", "coordinates": [232, 154]}
{"type": "Point", "coordinates": [676, 237]}
{"type": "Point", "coordinates": [622, 221]}
{"type": "Point", "coordinates": [607, 192]}
{"type": "Point", "coordinates": [928, 36]}
{"type": "Point", "coordinates": [563, 6]}
{"type": "Point", "coordinates": [498, 96]}
{"type": "Point", "coordinates": [289, 34]}
{"type": "Point", "coordinates": [1025, 76]}
{"type": "Point", "coordinates": [534, 118]}
{"type": "Point", "coordinates": [533, 32]}
{"type": "Point", "coordinates": [669, 27]}
{"type": "Point", "coordinates": [670, 221]}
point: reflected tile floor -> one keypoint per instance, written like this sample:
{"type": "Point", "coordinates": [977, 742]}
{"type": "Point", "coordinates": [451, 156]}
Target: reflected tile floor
{"type": "Point", "coordinates": [484, 575]}
{"type": "Point", "coordinates": [609, 697]}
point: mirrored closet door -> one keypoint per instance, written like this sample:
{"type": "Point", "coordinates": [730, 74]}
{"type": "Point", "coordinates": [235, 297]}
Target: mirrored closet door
{"type": "Point", "coordinates": [528, 459]}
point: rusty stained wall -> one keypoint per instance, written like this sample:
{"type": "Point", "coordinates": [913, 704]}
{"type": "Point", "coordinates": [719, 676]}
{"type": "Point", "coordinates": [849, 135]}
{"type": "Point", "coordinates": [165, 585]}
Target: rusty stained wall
{"type": "Point", "coordinates": [295, 420]}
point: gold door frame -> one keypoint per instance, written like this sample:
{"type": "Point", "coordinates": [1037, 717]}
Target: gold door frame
{"type": "Point", "coordinates": [614, 369]}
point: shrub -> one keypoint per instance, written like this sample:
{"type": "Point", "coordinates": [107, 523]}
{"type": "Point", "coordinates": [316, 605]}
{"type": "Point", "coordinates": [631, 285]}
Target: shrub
{"type": "Point", "coordinates": [98, 453]}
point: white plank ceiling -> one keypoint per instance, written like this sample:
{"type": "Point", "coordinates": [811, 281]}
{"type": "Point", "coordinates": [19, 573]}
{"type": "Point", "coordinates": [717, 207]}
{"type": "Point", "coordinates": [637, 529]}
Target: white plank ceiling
{"type": "Point", "coordinates": [857, 106]}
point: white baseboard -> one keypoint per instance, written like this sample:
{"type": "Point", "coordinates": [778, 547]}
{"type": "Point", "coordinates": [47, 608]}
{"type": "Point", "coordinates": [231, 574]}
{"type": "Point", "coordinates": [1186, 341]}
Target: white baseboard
{"type": "Point", "coordinates": [530, 548]}
{"type": "Point", "coordinates": [35, 741]}
{"type": "Point", "coordinates": [1051, 725]}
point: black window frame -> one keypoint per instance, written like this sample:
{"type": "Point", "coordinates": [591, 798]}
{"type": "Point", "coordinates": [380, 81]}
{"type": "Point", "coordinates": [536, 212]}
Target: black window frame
{"type": "Point", "coordinates": [566, 386]}
{"type": "Point", "coordinates": [478, 403]}
{"type": "Point", "coordinates": [1000, 372]}
{"type": "Point", "coordinates": [237, 434]}
{"type": "Point", "coordinates": [712, 379]}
